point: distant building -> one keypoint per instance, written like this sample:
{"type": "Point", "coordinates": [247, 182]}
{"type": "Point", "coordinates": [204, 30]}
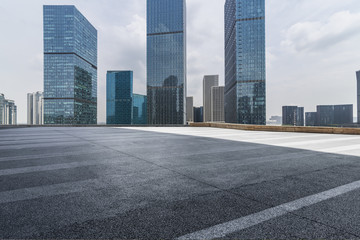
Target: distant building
{"type": "Point", "coordinates": [139, 109]}
{"type": "Point", "coordinates": [8, 111]}
{"type": "Point", "coordinates": [310, 119]}
{"type": "Point", "coordinates": [70, 67]}
{"type": "Point", "coordinates": [119, 97]}
{"type": "Point", "coordinates": [198, 114]}
{"type": "Point", "coordinates": [208, 82]}
{"type": "Point", "coordinates": [330, 115]}
{"type": "Point", "coordinates": [293, 116]}
{"type": "Point", "coordinates": [35, 108]}
{"type": "Point", "coordinates": [245, 65]}
{"type": "Point", "coordinates": [166, 61]}
{"type": "Point", "coordinates": [217, 104]}
{"type": "Point", "coordinates": [358, 95]}
{"type": "Point", "coordinates": [190, 109]}
{"type": "Point", "coordinates": [275, 120]}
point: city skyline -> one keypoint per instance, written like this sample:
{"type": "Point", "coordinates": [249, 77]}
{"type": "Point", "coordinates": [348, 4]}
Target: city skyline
{"type": "Point", "coordinates": [314, 60]}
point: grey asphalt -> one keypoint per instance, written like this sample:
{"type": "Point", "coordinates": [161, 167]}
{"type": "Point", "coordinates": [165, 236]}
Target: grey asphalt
{"type": "Point", "coordinates": [166, 183]}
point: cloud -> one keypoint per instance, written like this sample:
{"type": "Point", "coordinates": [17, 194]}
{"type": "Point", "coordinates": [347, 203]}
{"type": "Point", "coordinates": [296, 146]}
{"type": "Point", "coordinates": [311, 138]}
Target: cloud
{"type": "Point", "coordinates": [316, 35]}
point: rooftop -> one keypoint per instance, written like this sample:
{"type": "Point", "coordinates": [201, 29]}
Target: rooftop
{"type": "Point", "coordinates": [185, 183]}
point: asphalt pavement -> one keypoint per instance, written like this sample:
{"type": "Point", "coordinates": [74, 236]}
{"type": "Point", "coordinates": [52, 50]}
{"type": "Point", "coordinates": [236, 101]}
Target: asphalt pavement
{"type": "Point", "coordinates": [177, 183]}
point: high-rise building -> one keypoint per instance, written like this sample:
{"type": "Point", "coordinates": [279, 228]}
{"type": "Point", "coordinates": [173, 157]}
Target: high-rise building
{"type": "Point", "coordinates": [189, 109]}
{"type": "Point", "coordinates": [8, 111]}
{"type": "Point", "coordinates": [139, 109]}
{"type": "Point", "coordinates": [35, 108]}
{"type": "Point", "coordinates": [119, 97]}
{"type": "Point", "coordinates": [70, 67]}
{"type": "Point", "coordinates": [311, 119]}
{"type": "Point", "coordinates": [358, 95]}
{"type": "Point", "coordinates": [217, 104]}
{"type": "Point", "coordinates": [2, 109]}
{"type": "Point", "coordinates": [328, 115]}
{"type": "Point", "coordinates": [245, 95]}
{"type": "Point", "coordinates": [293, 116]}
{"type": "Point", "coordinates": [208, 82]}
{"type": "Point", "coordinates": [198, 114]}
{"type": "Point", "coordinates": [166, 61]}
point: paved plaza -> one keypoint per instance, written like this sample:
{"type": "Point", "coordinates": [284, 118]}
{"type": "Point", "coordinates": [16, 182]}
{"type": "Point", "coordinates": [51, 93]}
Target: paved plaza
{"type": "Point", "coordinates": [177, 183]}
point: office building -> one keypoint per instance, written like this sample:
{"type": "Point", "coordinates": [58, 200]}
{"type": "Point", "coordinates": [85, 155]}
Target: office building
{"type": "Point", "coordinates": [293, 116]}
{"type": "Point", "coordinates": [275, 120]}
{"type": "Point", "coordinates": [358, 96]}
{"type": "Point", "coordinates": [8, 111]}
{"type": "Point", "coordinates": [217, 104]}
{"type": "Point", "coordinates": [139, 109]}
{"type": "Point", "coordinates": [245, 99]}
{"type": "Point", "coordinates": [70, 67]}
{"type": "Point", "coordinates": [208, 82]}
{"type": "Point", "coordinates": [166, 61]}
{"type": "Point", "coordinates": [198, 114]}
{"type": "Point", "coordinates": [310, 119]}
{"type": "Point", "coordinates": [189, 109]}
{"type": "Point", "coordinates": [35, 108]}
{"type": "Point", "coordinates": [119, 97]}
{"type": "Point", "coordinates": [334, 115]}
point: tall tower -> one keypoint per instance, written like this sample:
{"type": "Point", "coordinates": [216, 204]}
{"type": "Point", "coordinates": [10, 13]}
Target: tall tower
{"type": "Point", "coordinates": [35, 108]}
{"type": "Point", "coordinates": [209, 81]}
{"type": "Point", "coordinates": [119, 97]}
{"type": "Point", "coordinates": [166, 61]}
{"type": "Point", "coordinates": [358, 95]}
{"type": "Point", "coordinates": [245, 96]}
{"type": "Point", "coordinates": [70, 67]}
{"type": "Point", "coordinates": [217, 104]}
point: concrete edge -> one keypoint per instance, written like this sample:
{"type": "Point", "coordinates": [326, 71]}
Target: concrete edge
{"type": "Point", "coordinates": [325, 130]}
{"type": "Point", "coordinates": [2, 127]}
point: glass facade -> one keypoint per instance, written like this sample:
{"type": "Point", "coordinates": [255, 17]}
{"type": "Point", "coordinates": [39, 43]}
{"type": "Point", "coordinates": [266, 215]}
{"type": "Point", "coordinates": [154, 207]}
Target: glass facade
{"type": "Point", "coordinates": [334, 115]}
{"type": "Point", "coordinates": [358, 95]}
{"type": "Point", "coordinates": [166, 61]}
{"type": "Point", "coordinates": [70, 67]}
{"type": "Point", "coordinates": [245, 67]}
{"type": "Point", "coordinates": [293, 116]}
{"type": "Point", "coordinates": [310, 119]}
{"type": "Point", "coordinates": [119, 97]}
{"type": "Point", "coordinates": [139, 109]}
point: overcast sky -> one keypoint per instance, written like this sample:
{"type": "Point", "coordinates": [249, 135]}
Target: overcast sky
{"type": "Point", "coordinates": [313, 48]}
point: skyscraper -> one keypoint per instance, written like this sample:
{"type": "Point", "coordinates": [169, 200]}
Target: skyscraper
{"type": "Point", "coordinates": [35, 108]}
{"type": "Point", "coordinates": [217, 104]}
{"type": "Point", "coordinates": [208, 82]}
{"type": "Point", "coordinates": [139, 109]}
{"type": "Point", "coordinates": [190, 109]}
{"type": "Point", "coordinates": [245, 98]}
{"type": "Point", "coordinates": [198, 114]}
{"type": "Point", "coordinates": [119, 97]}
{"type": "Point", "coordinates": [293, 116]}
{"type": "Point", "coordinates": [8, 111]}
{"type": "Point", "coordinates": [70, 67]}
{"type": "Point", "coordinates": [358, 95]}
{"type": "Point", "coordinates": [166, 61]}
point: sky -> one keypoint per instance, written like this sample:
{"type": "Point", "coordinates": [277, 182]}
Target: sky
{"type": "Point", "coordinates": [312, 48]}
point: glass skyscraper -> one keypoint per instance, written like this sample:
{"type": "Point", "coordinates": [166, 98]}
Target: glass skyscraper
{"type": "Point", "coordinates": [139, 109]}
{"type": "Point", "coordinates": [119, 97]}
{"type": "Point", "coordinates": [70, 67]}
{"type": "Point", "coordinates": [166, 61]}
{"type": "Point", "coordinates": [245, 97]}
{"type": "Point", "coordinates": [358, 96]}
